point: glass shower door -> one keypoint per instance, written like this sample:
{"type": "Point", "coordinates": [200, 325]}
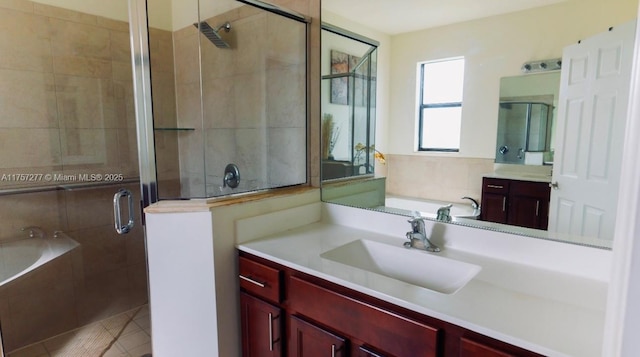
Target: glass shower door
{"type": "Point", "coordinates": [524, 128]}
{"type": "Point", "coordinates": [229, 98]}
{"type": "Point", "coordinates": [512, 133]}
{"type": "Point", "coordinates": [69, 284]}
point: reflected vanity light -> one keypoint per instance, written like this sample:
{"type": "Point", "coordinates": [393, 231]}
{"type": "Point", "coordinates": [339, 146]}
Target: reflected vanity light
{"type": "Point", "coordinates": [554, 64]}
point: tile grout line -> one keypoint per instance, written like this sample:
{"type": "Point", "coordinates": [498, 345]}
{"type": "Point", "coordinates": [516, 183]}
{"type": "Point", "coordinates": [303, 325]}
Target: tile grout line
{"type": "Point", "coordinates": [117, 336]}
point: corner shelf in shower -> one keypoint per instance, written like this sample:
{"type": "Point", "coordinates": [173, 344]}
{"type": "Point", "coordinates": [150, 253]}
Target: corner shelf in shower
{"type": "Point", "coordinates": [174, 129]}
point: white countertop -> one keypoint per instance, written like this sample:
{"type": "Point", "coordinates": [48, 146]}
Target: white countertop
{"type": "Point", "coordinates": [525, 176]}
{"type": "Point", "coordinates": [548, 312]}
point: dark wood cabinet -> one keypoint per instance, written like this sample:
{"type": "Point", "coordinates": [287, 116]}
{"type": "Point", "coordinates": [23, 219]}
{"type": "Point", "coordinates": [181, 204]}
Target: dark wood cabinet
{"type": "Point", "coordinates": [261, 320]}
{"type": "Point", "coordinates": [260, 279]}
{"type": "Point", "coordinates": [515, 202]}
{"type": "Point", "coordinates": [382, 329]}
{"type": "Point", "coordinates": [494, 201]}
{"type": "Point", "coordinates": [325, 319]}
{"type": "Point", "coordinates": [309, 340]}
{"type": "Point", "coordinates": [494, 208]}
{"type": "Point", "coordinates": [261, 327]}
{"type": "Point", "coordinates": [470, 348]}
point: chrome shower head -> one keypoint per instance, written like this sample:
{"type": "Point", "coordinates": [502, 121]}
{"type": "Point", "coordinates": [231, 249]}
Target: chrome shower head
{"type": "Point", "coordinates": [213, 34]}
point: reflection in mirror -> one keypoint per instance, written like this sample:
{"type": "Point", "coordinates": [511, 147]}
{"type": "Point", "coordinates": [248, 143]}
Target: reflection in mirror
{"type": "Point", "coordinates": [348, 105]}
{"type": "Point", "coordinates": [495, 46]}
{"type": "Point", "coordinates": [525, 118]}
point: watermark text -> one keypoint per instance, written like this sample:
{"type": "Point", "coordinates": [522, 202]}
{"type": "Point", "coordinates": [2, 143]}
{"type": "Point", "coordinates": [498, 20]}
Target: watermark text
{"type": "Point", "coordinates": [61, 177]}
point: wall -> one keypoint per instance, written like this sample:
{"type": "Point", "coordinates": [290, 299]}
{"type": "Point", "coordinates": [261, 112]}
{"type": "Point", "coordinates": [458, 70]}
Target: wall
{"type": "Point", "coordinates": [208, 267]}
{"type": "Point", "coordinates": [436, 178]}
{"type": "Point", "coordinates": [67, 108]}
{"type": "Point", "coordinates": [116, 10]}
{"type": "Point", "coordinates": [493, 47]}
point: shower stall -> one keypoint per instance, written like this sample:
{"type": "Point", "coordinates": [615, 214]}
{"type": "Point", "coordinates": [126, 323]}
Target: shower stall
{"type": "Point", "coordinates": [524, 132]}
{"type": "Point", "coordinates": [158, 100]}
{"type": "Point", "coordinates": [68, 138]}
{"type": "Point", "coordinates": [229, 100]}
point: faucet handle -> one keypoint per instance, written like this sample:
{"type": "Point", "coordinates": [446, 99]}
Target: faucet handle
{"type": "Point", "coordinates": [417, 223]}
{"type": "Point", "coordinates": [444, 214]}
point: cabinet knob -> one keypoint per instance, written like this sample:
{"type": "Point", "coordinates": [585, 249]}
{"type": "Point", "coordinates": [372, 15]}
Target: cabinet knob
{"type": "Point", "coordinates": [554, 185]}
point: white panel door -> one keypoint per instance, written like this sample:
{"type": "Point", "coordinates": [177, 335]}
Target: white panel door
{"type": "Point", "coordinates": [592, 112]}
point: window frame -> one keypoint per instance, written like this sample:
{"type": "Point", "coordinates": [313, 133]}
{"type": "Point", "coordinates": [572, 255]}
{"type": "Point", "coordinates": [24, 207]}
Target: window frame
{"type": "Point", "coordinates": [422, 106]}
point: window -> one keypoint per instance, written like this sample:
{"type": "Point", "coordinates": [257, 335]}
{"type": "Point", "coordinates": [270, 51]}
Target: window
{"type": "Point", "coordinates": [440, 107]}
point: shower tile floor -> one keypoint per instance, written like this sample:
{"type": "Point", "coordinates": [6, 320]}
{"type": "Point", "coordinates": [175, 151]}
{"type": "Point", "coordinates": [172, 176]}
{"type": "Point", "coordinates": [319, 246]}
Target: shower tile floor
{"type": "Point", "coordinates": [124, 335]}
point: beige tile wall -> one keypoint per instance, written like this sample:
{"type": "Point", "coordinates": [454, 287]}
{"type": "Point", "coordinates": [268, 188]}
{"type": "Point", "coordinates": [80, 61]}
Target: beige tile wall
{"type": "Point", "coordinates": [437, 178]}
{"type": "Point", "coordinates": [254, 98]}
{"type": "Point", "coordinates": [65, 94]}
{"type": "Point", "coordinates": [66, 106]}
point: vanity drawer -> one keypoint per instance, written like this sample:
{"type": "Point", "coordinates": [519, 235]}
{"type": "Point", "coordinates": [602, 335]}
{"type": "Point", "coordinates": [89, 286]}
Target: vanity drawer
{"type": "Point", "coordinates": [387, 331]}
{"type": "Point", "coordinates": [494, 185]}
{"type": "Point", "coordinates": [531, 189]}
{"type": "Point", "coordinates": [260, 279]}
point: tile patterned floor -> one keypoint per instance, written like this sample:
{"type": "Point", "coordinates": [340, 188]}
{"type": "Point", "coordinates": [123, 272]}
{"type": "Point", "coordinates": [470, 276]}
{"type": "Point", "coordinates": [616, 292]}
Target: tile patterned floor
{"type": "Point", "coordinates": [124, 335]}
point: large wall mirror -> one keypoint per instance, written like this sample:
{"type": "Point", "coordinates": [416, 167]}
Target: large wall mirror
{"type": "Point", "coordinates": [495, 42]}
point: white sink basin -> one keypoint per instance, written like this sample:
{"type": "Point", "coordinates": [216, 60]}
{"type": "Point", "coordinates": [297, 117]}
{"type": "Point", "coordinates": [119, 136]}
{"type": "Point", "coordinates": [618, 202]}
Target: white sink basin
{"type": "Point", "coordinates": [411, 266]}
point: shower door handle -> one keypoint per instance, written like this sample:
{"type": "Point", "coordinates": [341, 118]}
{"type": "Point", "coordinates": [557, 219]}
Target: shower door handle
{"type": "Point", "coordinates": [117, 212]}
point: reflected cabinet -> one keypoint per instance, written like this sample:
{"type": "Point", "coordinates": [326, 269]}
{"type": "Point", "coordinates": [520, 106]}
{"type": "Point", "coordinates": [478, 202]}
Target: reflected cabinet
{"type": "Point", "coordinates": [515, 202]}
{"type": "Point", "coordinates": [289, 313]}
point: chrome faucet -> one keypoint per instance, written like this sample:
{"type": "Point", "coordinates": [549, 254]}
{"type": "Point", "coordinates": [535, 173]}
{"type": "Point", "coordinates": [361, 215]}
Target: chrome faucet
{"type": "Point", "coordinates": [418, 236]}
{"type": "Point", "coordinates": [34, 231]}
{"type": "Point", "coordinates": [474, 203]}
{"type": "Point", "coordinates": [444, 213]}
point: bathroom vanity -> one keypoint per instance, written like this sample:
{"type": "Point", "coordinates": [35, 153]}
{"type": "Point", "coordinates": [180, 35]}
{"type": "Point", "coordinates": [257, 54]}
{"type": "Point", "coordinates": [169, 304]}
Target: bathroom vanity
{"type": "Point", "coordinates": [311, 289]}
{"type": "Point", "coordinates": [283, 309]}
{"type": "Point", "coordinates": [515, 202]}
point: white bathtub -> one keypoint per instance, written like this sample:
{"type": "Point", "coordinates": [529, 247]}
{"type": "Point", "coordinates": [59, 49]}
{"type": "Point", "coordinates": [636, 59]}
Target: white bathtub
{"type": "Point", "coordinates": [429, 208]}
{"type": "Point", "coordinates": [21, 256]}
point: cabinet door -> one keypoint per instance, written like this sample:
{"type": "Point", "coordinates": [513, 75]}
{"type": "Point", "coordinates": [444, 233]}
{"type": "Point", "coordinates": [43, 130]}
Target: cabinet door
{"type": "Point", "coordinates": [261, 328]}
{"type": "Point", "coordinates": [469, 348]}
{"type": "Point", "coordinates": [525, 211]}
{"type": "Point", "coordinates": [307, 340]}
{"type": "Point", "coordinates": [529, 204]}
{"type": "Point", "coordinates": [494, 208]}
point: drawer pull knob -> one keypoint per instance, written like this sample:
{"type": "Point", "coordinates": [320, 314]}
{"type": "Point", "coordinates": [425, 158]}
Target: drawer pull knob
{"type": "Point", "coordinates": [254, 282]}
{"type": "Point", "coordinates": [495, 186]}
{"type": "Point", "coordinates": [333, 350]}
{"type": "Point", "coordinates": [369, 352]}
